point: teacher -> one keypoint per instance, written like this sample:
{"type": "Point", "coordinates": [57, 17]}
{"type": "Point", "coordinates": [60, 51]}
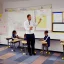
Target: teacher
{"type": "Point", "coordinates": [29, 26]}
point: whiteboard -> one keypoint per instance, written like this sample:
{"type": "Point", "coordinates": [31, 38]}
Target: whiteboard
{"type": "Point", "coordinates": [45, 15]}
{"type": "Point", "coordinates": [57, 16]}
{"type": "Point", "coordinates": [58, 27]}
{"type": "Point", "coordinates": [16, 20]}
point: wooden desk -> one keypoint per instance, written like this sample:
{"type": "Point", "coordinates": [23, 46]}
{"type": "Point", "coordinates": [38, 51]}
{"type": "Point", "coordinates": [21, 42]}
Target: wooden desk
{"type": "Point", "coordinates": [24, 42]}
{"type": "Point", "coordinates": [62, 43]}
{"type": "Point", "coordinates": [13, 42]}
{"type": "Point", "coordinates": [43, 42]}
{"type": "Point", "coordinates": [8, 39]}
{"type": "Point", "coordinates": [16, 40]}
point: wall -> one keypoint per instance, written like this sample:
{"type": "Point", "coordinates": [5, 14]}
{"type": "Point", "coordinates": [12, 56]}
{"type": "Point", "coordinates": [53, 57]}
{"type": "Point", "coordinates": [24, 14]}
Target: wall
{"type": "Point", "coordinates": [57, 5]}
{"type": "Point", "coordinates": [1, 8]}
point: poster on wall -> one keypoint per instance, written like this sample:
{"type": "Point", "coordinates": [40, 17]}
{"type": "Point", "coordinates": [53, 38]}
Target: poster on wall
{"type": "Point", "coordinates": [0, 17]}
{"type": "Point", "coordinates": [45, 15]}
{"type": "Point", "coordinates": [57, 17]}
{"type": "Point", "coordinates": [3, 26]}
{"type": "Point", "coordinates": [63, 17]}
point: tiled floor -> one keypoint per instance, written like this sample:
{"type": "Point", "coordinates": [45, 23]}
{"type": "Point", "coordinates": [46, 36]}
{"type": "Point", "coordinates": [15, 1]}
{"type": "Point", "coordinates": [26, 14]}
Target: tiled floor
{"type": "Point", "coordinates": [9, 57]}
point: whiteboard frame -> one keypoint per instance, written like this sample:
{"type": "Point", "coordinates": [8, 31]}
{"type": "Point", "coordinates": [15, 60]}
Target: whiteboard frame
{"type": "Point", "coordinates": [57, 22]}
{"type": "Point", "coordinates": [56, 13]}
{"type": "Point", "coordinates": [44, 28]}
{"type": "Point", "coordinates": [53, 27]}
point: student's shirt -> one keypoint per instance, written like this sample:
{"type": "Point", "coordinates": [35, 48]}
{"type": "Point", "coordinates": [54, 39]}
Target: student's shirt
{"type": "Point", "coordinates": [13, 35]}
{"type": "Point", "coordinates": [47, 38]}
{"type": "Point", "coordinates": [27, 26]}
{"type": "Point", "coordinates": [25, 39]}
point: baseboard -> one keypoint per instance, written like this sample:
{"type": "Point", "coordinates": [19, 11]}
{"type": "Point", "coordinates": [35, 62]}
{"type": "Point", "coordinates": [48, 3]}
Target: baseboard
{"type": "Point", "coordinates": [3, 44]}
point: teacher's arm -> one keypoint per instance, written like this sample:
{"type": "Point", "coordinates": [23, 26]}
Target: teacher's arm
{"type": "Point", "coordinates": [36, 24]}
{"type": "Point", "coordinates": [39, 21]}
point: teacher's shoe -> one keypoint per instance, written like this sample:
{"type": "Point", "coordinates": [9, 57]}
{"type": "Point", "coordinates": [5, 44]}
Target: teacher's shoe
{"type": "Point", "coordinates": [30, 54]}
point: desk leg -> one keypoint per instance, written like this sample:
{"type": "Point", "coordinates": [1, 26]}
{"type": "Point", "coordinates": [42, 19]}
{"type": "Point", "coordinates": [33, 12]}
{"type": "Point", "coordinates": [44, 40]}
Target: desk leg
{"type": "Point", "coordinates": [63, 50]}
{"type": "Point", "coordinates": [63, 53]}
{"type": "Point", "coordinates": [47, 49]}
{"type": "Point", "coordinates": [13, 46]}
{"type": "Point", "coordinates": [19, 44]}
{"type": "Point", "coordinates": [8, 43]}
{"type": "Point", "coordinates": [43, 48]}
{"type": "Point", "coordinates": [24, 49]}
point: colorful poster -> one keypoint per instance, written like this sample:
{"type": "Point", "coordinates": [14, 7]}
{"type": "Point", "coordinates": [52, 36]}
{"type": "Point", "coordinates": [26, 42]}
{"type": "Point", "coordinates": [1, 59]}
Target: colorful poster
{"type": "Point", "coordinates": [3, 26]}
{"type": "Point", "coordinates": [43, 21]}
{"type": "Point", "coordinates": [45, 15]}
{"type": "Point", "coordinates": [0, 15]}
{"type": "Point", "coordinates": [63, 16]}
{"type": "Point", "coordinates": [57, 17]}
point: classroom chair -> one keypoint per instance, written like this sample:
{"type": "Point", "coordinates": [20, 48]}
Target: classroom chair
{"type": "Point", "coordinates": [62, 43]}
{"type": "Point", "coordinates": [24, 42]}
{"type": "Point", "coordinates": [44, 45]}
{"type": "Point", "coordinates": [13, 42]}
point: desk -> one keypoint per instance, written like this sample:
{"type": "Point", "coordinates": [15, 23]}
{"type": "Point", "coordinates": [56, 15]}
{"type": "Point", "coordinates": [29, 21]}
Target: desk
{"type": "Point", "coordinates": [13, 42]}
{"type": "Point", "coordinates": [24, 42]}
{"type": "Point", "coordinates": [44, 42]}
{"type": "Point", "coordinates": [62, 43]}
{"type": "Point", "coordinates": [8, 39]}
{"type": "Point", "coordinates": [16, 40]}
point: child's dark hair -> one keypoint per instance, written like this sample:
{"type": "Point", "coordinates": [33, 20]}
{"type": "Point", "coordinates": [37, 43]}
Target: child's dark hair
{"type": "Point", "coordinates": [46, 31]}
{"type": "Point", "coordinates": [24, 35]}
{"type": "Point", "coordinates": [14, 31]}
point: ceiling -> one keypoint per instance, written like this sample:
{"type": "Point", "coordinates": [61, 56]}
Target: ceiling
{"type": "Point", "coordinates": [11, 0]}
{"type": "Point", "coordinates": [1, 1]}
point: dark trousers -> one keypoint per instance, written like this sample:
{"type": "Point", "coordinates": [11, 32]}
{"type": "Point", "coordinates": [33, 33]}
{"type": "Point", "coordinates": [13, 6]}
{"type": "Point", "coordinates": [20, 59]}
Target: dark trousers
{"type": "Point", "coordinates": [31, 43]}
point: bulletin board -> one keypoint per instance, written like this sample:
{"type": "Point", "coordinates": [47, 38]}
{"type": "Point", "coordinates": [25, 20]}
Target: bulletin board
{"type": "Point", "coordinates": [58, 24]}
{"type": "Point", "coordinates": [3, 26]}
{"type": "Point", "coordinates": [45, 15]}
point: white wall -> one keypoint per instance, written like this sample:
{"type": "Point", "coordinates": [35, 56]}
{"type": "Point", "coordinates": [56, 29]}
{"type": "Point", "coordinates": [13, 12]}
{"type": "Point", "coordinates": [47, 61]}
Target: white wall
{"type": "Point", "coordinates": [1, 8]}
{"type": "Point", "coordinates": [57, 5]}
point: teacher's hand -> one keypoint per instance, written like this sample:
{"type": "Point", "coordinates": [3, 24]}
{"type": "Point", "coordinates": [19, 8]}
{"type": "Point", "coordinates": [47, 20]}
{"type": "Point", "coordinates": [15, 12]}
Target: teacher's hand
{"type": "Point", "coordinates": [31, 28]}
{"type": "Point", "coordinates": [39, 20]}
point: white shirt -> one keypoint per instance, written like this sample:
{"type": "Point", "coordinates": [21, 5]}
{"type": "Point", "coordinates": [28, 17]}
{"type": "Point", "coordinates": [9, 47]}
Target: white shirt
{"type": "Point", "coordinates": [27, 26]}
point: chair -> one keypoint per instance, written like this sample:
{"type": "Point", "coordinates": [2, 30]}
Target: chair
{"type": "Point", "coordinates": [24, 42]}
{"type": "Point", "coordinates": [44, 45]}
{"type": "Point", "coordinates": [62, 43]}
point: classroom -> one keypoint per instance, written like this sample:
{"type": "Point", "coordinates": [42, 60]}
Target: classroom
{"type": "Point", "coordinates": [31, 31]}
